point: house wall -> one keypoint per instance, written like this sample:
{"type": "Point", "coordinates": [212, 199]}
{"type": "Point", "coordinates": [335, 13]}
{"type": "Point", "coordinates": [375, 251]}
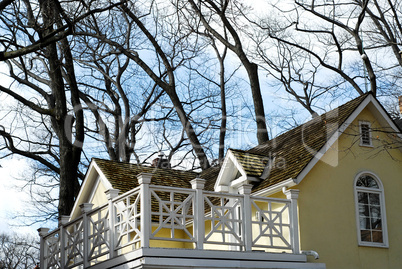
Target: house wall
{"type": "Point", "coordinates": [99, 197]}
{"type": "Point", "coordinates": [327, 203]}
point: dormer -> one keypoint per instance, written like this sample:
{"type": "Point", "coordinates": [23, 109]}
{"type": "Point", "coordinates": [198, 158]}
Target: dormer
{"type": "Point", "coordinates": [240, 167]}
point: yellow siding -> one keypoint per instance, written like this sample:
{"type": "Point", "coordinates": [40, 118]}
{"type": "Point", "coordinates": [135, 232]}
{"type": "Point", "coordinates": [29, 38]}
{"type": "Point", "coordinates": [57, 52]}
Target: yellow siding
{"type": "Point", "coordinates": [327, 205]}
{"type": "Point", "coordinates": [99, 197]}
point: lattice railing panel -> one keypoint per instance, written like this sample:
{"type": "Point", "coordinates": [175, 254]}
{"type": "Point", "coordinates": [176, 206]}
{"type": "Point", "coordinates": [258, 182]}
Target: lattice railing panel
{"type": "Point", "coordinates": [271, 226]}
{"type": "Point", "coordinates": [187, 217]}
{"type": "Point", "coordinates": [74, 245]}
{"type": "Point", "coordinates": [127, 220]}
{"type": "Point", "coordinates": [99, 234]}
{"type": "Point", "coordinates": [52, 251]}
{"type": "Point", "coordinates": [171, 214]}
{"type": "Point", "coordinates": [223, 219]}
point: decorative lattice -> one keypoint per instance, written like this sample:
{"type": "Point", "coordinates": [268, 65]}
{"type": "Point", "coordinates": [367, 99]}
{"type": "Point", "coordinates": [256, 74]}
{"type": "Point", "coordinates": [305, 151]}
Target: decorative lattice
{"type": "Point", "coordinates": [74, 248]}
{"type": "Point", "coordinates": [271, 223]}
{"type": "Point", "coordinates": [53, 251]}
{"type": "Point", "coordinates": [99, 233]}
{"type": "Point", "coordinates": [225, 220]}
{"type": "Point", "coordinates": [127, 220]}
{"type": "Point", "coordinates": [172, 210]}
{"type": "Point", "coordinates": [170, 216]}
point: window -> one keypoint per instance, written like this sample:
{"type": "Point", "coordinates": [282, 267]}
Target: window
{"type": "Point", "coordinates": [370, 211]}
{"type": "Point", "coordinates": [365, 133]}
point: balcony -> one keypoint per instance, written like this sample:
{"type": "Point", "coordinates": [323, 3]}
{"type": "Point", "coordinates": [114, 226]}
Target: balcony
{"type": "Point", "coordinates": [164, 227]}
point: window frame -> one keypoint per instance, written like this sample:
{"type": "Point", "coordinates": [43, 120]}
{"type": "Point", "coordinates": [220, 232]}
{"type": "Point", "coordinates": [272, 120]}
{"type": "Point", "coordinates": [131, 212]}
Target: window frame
{"type": "Point", "coordinates": [362, 122]}
{"type": "Point", "coordinates": [380, 191]}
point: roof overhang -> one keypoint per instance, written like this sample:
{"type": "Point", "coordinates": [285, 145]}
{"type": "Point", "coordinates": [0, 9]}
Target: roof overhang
{"type": "Point", "coordinates": [93, 177]}
{"type": "Point", "coordinates": [378, 112]}
{"type": "Point", "coordinates": [227, 175]}
{"type": "Point", "coordinates": [288, 183]}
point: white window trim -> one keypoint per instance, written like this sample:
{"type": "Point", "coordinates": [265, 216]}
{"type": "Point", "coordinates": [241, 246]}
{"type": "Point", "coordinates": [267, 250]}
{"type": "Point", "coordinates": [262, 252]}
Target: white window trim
{"type": "Point", "coordinates": [361, 135]}
{"type": "Point", "coordinates": [380, 191]}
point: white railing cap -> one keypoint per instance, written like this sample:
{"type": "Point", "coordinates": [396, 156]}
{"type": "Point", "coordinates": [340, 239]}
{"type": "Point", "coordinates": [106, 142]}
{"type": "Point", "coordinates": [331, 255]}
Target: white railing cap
{"type": "Point", "coordinates": [198, 183]}
{"type": "Point", "coordinates": [245, 188]}
{"type": "Point", "coordinates": [144, 178]}
{"type": "Point", "coordinates": [112, 193]}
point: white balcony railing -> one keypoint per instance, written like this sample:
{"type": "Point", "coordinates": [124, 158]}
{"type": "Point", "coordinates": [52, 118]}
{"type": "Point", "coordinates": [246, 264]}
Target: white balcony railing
{"type": "Point", "coordinates": [152, 216]}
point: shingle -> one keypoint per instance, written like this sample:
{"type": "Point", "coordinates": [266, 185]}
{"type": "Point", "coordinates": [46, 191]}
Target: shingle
{"type": "Point", "coordinates": [291, 151]}
{"type": "Point", "coordinates": [253, 164]}
{"type": "Point", "coordinates": [294, 149]}
{"type": "Point", "coordinates": [123, 176]}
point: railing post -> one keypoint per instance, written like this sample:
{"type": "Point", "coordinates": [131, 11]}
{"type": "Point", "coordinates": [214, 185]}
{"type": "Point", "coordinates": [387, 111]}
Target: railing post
{"type": "Point", "coordinates": [43, 251]}
{"type": "Point", "coordinates": [245, 190]}
{"type": "Point", "coordinates": [110, 194]}
{"type": "Point", "coordinates": [85, 208]}
{"type": "Point", "coordinates": [144, 179]}
{"type": "Point", "coordinates": [292, 195]}
{"type": "Point", "coordinates": [198, 184]}
{"type": "Point", "coordinates": [62, 221]}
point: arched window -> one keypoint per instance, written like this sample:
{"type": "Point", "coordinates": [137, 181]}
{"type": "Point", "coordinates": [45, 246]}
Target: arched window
{"type": "Point", "coordinates": [370, 211]}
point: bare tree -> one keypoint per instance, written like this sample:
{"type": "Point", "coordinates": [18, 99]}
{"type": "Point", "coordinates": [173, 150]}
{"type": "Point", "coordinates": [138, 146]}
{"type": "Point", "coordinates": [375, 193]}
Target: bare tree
{"type": "Point", "coordinates": [18, 251]}
{"type": "Point", "coordinates": [169, 59]}
{"type": "Point", "coordinates": [345, 37]}
{"type": "Point", "coordinates": [42, 74]}
{"type": "Point", "coordinates": [218, 19]}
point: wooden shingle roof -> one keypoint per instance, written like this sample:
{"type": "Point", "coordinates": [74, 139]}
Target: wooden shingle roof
{"type": "Point", "coordinates": [294, 149]}
{"type": "Point", "coordinates": [123, 176]}
{"type": "Point", "coordinates": [252, 163]}
{"type": "Point", "coordinates": [288, 153]}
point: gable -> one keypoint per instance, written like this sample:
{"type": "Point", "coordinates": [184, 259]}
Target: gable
{"type": "Point", "coordinates": [293, 154]}
{"type": "Point", "coordinates": [240, 167]}
{"type": "Point", "coordinates": [379, 116]}
{"type": "Point", "coordinates": [103, 175]}
{"type": "Point", "coordinates": [327, 200]}
{"type": "Point", "coordinates": [91, 189]}
{"type": "Point", "coordinates": [295, 149]}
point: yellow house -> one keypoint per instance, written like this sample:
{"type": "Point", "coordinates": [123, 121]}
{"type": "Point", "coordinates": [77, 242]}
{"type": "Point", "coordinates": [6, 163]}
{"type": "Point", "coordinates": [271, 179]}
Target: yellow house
{"type": "Point", "coordinates": [323, 195]}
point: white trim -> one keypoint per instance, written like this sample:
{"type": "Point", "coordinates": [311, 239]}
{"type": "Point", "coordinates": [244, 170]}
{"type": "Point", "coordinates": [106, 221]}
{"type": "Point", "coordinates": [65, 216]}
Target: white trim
{"type": "Point", "coordinates": [276, 187]}
{"type": "Point", "coordinates": [333, 139]}
{"type": "Point", "coordinates": [385, 116]}
{"type": "Point", "coordinates": [102, 177]}
{"type": "Point", "coordinates": [230, 159]}
{"type": "Point", "coordinates": [187, 258]}
{"type": "Point", "coordinates": [93, 191]}
{"type": "Point", "coordinates": [382, 117]}
{"type": "Point", "coordinates": [89, 178]}
{"type": "Point", "coordinates": [381, 193]}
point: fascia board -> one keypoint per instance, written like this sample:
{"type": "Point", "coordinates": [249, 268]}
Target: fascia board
{"type": "Point", "coordinates": [93, 191]}
{"type": "Point", "coordinates": [93, 173]}
{"type": "Point", "coordinates": [385, 117]}
{"type": "Point", "coordinates": [89, 177]}
{"type": "Point", "coordinates": [238, 165]}
{"type": "Point", "coordinates": [276, 188]}
{"type": "Point", "coordinates": [369, 99]}
{"type": "Point", "coordinates": [228, 158]}
{"type": "Point", "coordinates": [221, 171]}
{"type": "Point", "coordinates": [102, 177]}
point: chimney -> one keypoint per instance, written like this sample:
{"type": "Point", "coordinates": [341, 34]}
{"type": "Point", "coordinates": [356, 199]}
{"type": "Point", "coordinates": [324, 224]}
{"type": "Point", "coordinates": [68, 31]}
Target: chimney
{"type": "Point", "coordinates": [161, 161]}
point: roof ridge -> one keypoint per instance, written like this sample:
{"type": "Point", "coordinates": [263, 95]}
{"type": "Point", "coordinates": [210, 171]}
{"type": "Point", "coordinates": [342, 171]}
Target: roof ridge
{"type": "Point", "coordinates": [144, 166]}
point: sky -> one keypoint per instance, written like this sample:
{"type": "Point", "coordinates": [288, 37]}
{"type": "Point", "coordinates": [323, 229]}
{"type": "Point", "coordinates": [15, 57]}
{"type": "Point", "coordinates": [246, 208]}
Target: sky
{"type": "Point", "coordinates": [12, 200]}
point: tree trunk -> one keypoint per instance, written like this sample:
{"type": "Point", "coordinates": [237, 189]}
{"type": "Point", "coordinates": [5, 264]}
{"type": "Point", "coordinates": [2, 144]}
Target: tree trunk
{"type": "Point", "coordinates": [68, 162]}
{"type": "Point", "coordinates": [252, 72]}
